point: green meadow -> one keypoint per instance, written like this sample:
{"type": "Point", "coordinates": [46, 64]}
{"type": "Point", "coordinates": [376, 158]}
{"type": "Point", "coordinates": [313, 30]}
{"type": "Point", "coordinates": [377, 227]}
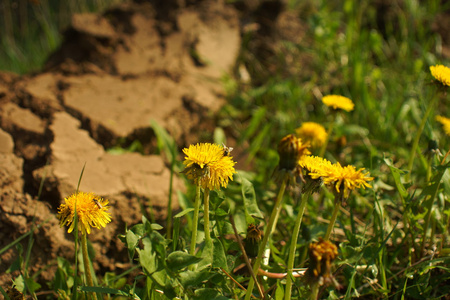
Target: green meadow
{"type": "Point", "coordinates": [382, 210]}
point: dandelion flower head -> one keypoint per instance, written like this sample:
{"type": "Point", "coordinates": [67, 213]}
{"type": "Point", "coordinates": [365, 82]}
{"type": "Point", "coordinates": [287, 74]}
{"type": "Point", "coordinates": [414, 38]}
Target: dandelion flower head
{"type": "Point", "coordinates": [338, 102]}
{"type": "Point", "coordinates": [91, 212]}
{"type": "Point", "coordinates": [315, 164]}
{"type": "Point", "coordinates": [208, 165]}
{"type": "Point", "coordinates": [445, 123]}
{"type": "Point", "coordinates": [313, 133]}
{"type": "Point", "coordinates": [343, 179]}
{"type": "Point", "coordinates": [441, 73]}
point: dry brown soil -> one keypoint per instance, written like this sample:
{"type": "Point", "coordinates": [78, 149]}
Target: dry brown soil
{"type": "Point", "coordinates": [115, 72]}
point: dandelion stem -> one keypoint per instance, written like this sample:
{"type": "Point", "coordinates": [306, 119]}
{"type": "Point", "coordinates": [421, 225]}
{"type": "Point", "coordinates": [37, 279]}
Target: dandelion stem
{"type": "Point", "coordinates": [270, 226]}
{"type": "Point", "coordinates": [293, 247]}
{"type": "Point", "coordinates": [314, 291]}
{"type": "Point", "coordinates": [195, 221]}
{"type": "Point", "coordinates": [206, 214]}
{"type": "Point", "coordinates": [87, 267]}
{"type": "Point", "coordinates": [336, 208]}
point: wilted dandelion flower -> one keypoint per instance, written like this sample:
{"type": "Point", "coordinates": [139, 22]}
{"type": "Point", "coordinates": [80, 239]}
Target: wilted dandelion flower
{"type": "Point", "coordinates": [321, 256]}
{"type": "Point", "coordinates": [91, 212]}
{"type": "Point", "coordinates": [290, 150]}
{"type": "Point", "coordinates": [343, 179]}
{"type": "Point", "coordinates": [445, 123]}
{"type": "Point", "coordinates": [441, 73]}
{"type": "Point", "coordinates": [338, 102]}
{"type": "Point", "coordinates": [313, 133]}
{"type": "Point", "coordinates": [208, 165]}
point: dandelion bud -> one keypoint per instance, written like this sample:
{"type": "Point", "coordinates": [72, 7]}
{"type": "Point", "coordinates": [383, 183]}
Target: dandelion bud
{"type": "Point", "coordinates": [251, 242]}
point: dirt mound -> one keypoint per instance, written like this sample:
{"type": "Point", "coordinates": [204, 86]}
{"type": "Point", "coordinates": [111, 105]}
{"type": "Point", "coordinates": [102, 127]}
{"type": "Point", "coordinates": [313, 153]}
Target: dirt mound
{"type": "Point", "coordinates": [114, 73]}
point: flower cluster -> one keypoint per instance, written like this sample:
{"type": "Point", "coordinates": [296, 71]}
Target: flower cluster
{"type": "Point", "coordinates": [91, 211]}
{"type": "Point", "coordinates": [312, 133]}
{"type": "Point", "coordinates": [209, 165]}
{"type": "Point", "coordinates": [441, 73]}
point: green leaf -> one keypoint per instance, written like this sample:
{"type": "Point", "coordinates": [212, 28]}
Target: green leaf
{"type": "Point", "coordinates": [165, 141]}
{"type": "Point", "coordinates": [207, 255]}
{"type": "Point", "coordinates": [396, 173]}
{"type": "Point", "coordinates": [219, 256]}
{"type": "Point", "coordinates": [279, 293]}
{"type": "Point", "coordinates": [156, 226]}
{"type": "Point", "coordinates": [151, 263]}
{"type": "Point", "coordinates": [182, 213]}
{"type": "Point", "coordinates": [250, 206]}
{"type": "Point", "coordinates": [132, 241]}
{"type": "Point", "coordinates": [23, 284]}
{"type": "Point", "coordinates": [105, 290]}
{"type": "Point", "coordinates": [194, 278]}
{"type": "Point", "coordinates": [178, 260]}
{"type": "Point", "coordinates": [208, 294]}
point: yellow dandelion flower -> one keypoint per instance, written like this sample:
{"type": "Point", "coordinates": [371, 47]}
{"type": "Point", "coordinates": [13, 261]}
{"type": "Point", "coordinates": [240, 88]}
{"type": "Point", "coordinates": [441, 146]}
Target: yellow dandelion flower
{"type": "Point", "coordinates": [346, 177]}
{"type": "Point", "coordinates": [313, 133]}
{"type": "Point", "coordinates": [441, 73]}
{"type": "Point", "coordinates": [290, 150]}
{"type": "Point", "coordinates": [338, 102]}
{"type": "Point", "coordinates": [209, 165]}
{"type": "Point", "coordinates": [202, 154]}
{"type": "Point", "coordinates": [91, 212]}
{"type": "Point", "coordinates": [315, 164]}
{"type": "Point", "coordinates": [445, 123]}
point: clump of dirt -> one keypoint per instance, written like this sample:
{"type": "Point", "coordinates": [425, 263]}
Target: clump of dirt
{"type": "Point", "coordinates": [115, 72]}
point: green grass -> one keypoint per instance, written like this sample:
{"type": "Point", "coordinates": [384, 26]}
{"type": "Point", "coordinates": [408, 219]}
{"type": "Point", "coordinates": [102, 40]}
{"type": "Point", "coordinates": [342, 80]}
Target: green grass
{"type": "Point", "coordinates": [393, 239]}
{"type": "Point", "coordinates": [31, 30]}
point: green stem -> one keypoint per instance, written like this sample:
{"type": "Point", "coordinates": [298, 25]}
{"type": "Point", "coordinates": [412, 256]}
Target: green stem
{"type": "Point", "coordinates": [336, 208]}
{"type": "Point", "coordinates": [293, 247]}
{"type": "Point", "coordinates": [195, 221]}
{"type": "Point", "coordinates": [325, 144]}
{"type": "Point", "coordinates": [417, 138]}
{"type": "Point", "coordinates": [206, 214]}
{"type": "Point", "coordinates": [87, 267]}
{"type": "Point", "coordinates": [314, 291]}
{"type": "Point", "coordinates": [269, 229]}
